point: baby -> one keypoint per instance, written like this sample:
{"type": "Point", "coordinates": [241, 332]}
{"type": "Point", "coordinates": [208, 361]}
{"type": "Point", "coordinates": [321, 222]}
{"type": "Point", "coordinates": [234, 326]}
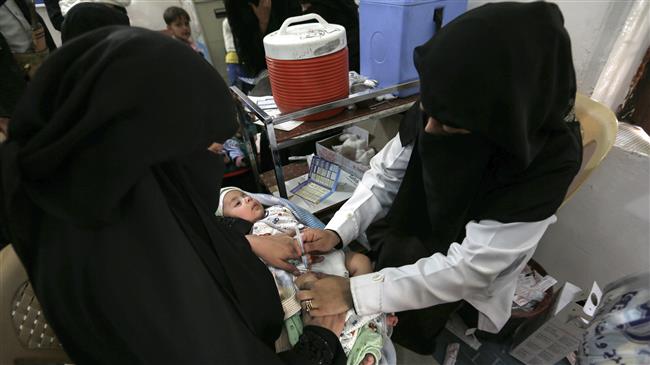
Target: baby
{"type": "Point", "coordinates": [362, 337]}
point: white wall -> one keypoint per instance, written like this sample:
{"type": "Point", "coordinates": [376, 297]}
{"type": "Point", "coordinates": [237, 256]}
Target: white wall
{"type": "Point", "coordinates": [627, 54]}
{"type": "Point", "coordinates": [593, 26]}
{"type": "Point", "coordinates": [205, 27]}
{"type": "Point", "coordinates": [148, 14]}
{"type": "Point", "coordinates": [603, 232]}
{"type": "Point", "coordinates": [212, 32]}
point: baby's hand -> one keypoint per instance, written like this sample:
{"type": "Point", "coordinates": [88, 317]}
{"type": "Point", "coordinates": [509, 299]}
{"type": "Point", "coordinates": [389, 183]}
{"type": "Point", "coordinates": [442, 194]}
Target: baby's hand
{"type": "Point", "coordinates": [391, 320]}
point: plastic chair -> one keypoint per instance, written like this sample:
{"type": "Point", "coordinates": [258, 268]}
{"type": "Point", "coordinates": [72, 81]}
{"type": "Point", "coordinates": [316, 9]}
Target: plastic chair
{"type": "Point", "coordinates": [599, 126]}
{"type": "Point", "coordinates": [25, 337]}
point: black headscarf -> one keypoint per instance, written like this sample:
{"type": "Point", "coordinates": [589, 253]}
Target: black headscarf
{"type": "Point", "coordinates": [246, 31]}
{"type": "Point", "coordinates": [341, 12]}
{"type": "Point", "coordinates": [108, 194]}
{"type": "Point", "coordinates": [505, 73]}
{"type": "Point", "coordinates": [85, 17]}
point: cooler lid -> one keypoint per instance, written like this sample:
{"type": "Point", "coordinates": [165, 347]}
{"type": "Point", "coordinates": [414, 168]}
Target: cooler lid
{"type": "Point", "coordinates": [303, 41]}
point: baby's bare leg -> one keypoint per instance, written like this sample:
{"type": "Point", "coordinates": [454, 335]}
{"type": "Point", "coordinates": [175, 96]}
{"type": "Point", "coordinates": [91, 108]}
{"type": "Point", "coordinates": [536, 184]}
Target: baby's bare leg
{"type": "Point", "coordinates": [357, 264]}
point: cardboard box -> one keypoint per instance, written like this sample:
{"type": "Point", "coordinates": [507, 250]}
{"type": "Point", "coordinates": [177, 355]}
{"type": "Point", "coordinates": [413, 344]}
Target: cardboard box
{"type": "Point", "coordinates": [324, 150]}
{"type": "Point", "coordinates": [549, 338]}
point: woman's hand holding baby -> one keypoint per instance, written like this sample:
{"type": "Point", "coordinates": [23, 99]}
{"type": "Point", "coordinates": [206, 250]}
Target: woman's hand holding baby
{"type": "Point", "coordinates": [319, 240]}
{"type": "Point", "coordinates": [329, 295]}
{"type": "Point", "coordinates": [334, 323]}
{"type": "Point", "coordinates": [276, 250]}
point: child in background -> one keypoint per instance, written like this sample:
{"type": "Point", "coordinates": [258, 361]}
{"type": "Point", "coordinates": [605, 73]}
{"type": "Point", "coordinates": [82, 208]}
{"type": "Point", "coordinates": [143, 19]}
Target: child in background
{"type": "Point", "coordinates": [362, 337]}
{"type": "Point", "coordinates": [233, 153]}
{"type": "Point", "coordinates": [233, 68]}
{"type": "Point", "coordinates": [178, 25]}
{"type": "Point", "coordinates": [233, 150]}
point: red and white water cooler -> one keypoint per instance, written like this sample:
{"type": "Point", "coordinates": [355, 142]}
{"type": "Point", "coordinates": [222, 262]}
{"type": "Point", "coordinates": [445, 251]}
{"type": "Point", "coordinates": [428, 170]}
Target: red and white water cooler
{"type": "Point", "coordinates": [307, 64]}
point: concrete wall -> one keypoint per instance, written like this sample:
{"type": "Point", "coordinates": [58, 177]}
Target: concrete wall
{"type": "Point", "coordinates": [148, 14]}
{"type": "Point", "coordinates": [212, 32]}
{"type": "Point", "coordinates": [603, 232]}
{"type": "Point", "coordinates": [593, 26]}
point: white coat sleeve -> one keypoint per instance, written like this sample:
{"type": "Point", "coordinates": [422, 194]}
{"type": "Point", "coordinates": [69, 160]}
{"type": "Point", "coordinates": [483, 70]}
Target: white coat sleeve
{"type": "Point", "coordinates": [482, 270]}
{"type": "Point", "coordinates": [373, 197]}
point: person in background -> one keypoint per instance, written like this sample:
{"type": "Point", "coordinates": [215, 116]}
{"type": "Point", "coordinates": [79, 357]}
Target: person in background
{"type": "Point", "coordinates": [178, 25]}
{"type": "Point", "coordinates": [233, 148]}
{"type": "Point", "coordinates": [232, 151]}
{"type": "Point", "coordinates": [341, 12]}
{"type": "Point", "coordinates": [25, 42]}
{"type": "Point", "coordinates": [250, 21]}
{"type": "Point", "coordinates": [109, 203]}
{"type": "Point", "coordinates": [455, 205]}
{"type": "Point", "coordinates": [25, 33]}
{"type": "Point", "coordinates": [233, 68]}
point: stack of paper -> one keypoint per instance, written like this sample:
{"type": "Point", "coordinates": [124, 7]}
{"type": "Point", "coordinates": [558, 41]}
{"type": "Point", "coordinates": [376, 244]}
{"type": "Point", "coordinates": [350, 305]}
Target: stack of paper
{"type": "Point", "coordinates": [267, 104]}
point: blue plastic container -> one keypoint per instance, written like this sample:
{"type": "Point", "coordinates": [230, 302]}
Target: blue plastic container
{"type": "Point", "coordinates": [391, 29]}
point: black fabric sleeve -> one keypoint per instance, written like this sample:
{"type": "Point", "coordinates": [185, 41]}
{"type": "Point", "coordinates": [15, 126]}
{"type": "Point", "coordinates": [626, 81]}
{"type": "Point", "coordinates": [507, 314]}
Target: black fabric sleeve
{"type": "Point", "coordinates": [13, 80]}
{"type": "Point", "coordinates": [239, 225]}
{"type": "Point", "coordinates": [316, 346]}
{"type": "Point", "coordinates": [54, 13]}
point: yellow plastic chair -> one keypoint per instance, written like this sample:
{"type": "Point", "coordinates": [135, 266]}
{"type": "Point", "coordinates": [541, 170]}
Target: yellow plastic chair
{"type": "Point", "coordinates": [599, 126]}
{"type": "Point", "coordinates": [25, 337]}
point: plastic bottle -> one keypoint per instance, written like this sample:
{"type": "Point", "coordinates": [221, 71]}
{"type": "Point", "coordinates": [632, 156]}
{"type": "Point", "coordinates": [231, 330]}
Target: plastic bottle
{"type": "Point", "coordinates": [620, 330]}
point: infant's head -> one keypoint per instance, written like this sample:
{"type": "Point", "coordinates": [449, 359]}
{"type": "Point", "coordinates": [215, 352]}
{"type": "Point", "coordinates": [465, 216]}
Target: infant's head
{"type": "Point", "coordinates": [234, 202]}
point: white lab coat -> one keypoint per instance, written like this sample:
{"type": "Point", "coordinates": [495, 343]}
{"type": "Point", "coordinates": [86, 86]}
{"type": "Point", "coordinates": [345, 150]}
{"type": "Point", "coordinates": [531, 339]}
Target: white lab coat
{"type": "Point", "coordinates": [482, 270]}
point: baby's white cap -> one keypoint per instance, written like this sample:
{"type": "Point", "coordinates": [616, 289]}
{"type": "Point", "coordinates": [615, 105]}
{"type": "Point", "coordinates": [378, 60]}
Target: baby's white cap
{"type": "Point", "coordinates": [222, 195]}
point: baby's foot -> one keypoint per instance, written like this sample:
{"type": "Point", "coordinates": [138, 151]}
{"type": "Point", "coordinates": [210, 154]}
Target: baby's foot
{"type": "Point", "coordinates": [391, 320]}
{"type": "Point", "coordinates": [369, 359]}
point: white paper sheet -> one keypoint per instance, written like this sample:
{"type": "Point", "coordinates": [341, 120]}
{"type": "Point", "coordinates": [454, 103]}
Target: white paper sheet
{"type": "Point", "coordinates": [267, 104]}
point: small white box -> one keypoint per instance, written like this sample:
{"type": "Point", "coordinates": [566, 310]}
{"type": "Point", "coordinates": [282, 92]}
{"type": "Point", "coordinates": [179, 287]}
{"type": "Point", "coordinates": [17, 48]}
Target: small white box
{"type": "Point", "coordinates": [324, 150]}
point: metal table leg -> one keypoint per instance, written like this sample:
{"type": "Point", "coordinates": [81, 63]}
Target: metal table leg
{"type": "Point", "coordinates": [277, 162]}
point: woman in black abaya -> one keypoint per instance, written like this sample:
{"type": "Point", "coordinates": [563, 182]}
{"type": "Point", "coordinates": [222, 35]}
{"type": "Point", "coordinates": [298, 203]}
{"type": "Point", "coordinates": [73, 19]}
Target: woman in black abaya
{"type": "Point", "coordinates": [108, 194]}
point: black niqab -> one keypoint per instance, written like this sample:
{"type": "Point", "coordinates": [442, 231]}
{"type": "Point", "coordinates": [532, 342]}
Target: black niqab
{"type": "Point", "coordinates": [505, 73]}
{"type": "Point", "coordinates": [108, 193]}
{"type": "Point", "coordinates": [86, 17]}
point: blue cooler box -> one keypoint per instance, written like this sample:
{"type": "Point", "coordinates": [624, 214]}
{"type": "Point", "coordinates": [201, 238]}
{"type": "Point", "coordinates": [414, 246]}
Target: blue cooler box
{"type": "Point", "coordinates": [391, 29]}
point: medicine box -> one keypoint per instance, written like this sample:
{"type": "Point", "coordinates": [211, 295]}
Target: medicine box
{"type": "Point", "coordinates": [324, 150]}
